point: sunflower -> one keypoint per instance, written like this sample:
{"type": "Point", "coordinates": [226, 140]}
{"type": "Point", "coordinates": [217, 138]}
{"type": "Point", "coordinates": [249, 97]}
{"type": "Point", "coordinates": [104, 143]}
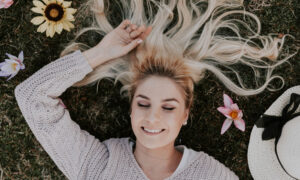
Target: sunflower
{"type": "Point", "coordinates": [56, 14]}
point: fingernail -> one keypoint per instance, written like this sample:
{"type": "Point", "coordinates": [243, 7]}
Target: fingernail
{"type": "Point", "coordinates": [139, 41]}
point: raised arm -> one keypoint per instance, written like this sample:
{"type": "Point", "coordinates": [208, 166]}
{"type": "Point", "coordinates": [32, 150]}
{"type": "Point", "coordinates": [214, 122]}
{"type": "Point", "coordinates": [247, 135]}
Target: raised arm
{"type": "Point", "coordinates": [70, 147]}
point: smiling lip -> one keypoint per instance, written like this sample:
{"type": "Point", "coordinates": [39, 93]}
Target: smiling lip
{"type": "Point", "coordinates": [151, 134]}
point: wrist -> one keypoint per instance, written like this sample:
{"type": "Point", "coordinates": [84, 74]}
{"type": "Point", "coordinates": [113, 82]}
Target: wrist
{"type": "Point", "coordinates": [94, 57]}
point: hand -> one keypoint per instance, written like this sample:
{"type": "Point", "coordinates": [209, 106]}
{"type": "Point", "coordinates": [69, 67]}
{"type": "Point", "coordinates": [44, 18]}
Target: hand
{"type": "Point", "coordinates": [122, 39]}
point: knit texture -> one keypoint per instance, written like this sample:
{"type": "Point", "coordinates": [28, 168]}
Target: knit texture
{"type": "Point", "coordinates": [78, 154]}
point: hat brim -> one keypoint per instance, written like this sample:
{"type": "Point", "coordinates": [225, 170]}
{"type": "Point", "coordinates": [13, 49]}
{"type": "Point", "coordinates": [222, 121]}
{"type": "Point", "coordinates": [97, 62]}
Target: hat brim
{"type": "Point", "coordinates": [262, 160]}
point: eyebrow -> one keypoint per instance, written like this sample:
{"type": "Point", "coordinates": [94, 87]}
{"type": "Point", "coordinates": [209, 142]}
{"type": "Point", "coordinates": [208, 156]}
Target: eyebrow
{"type": "Point", "coordinates": [168, 99]}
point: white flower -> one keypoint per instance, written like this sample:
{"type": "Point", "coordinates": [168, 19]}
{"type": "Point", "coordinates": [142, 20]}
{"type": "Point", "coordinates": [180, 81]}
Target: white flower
{"type": "Point", "coordinates": [54, 16]}
{"type": "Point", "coordinates": [12, 65]}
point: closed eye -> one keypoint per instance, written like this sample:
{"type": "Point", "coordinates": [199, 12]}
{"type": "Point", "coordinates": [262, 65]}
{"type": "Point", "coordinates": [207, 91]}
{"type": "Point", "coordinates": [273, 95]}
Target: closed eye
{"type": "Point", "coordinates": [145, 106]}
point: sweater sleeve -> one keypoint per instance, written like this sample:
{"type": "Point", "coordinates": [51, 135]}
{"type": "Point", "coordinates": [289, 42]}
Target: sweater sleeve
{"type": "Point", "coordinates": [71, 148]}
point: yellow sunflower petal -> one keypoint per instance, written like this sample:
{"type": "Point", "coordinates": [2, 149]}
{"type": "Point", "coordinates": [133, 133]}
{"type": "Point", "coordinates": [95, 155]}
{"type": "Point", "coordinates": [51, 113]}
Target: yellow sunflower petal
{"type": "Point", "coordinates": [66, 26]}
{"type": "Point", "coordinates": [42, 28]}
{"type": "Point", "coordinates": [38, 20]}
{"type": "Point", "coordinates": [67, 4]}
{"type": "Point", "coordinates": [39, 4]}
{"type": "Point", "coordinates": [70, 10]}
{"type": "Point", "coordinates": [60, 1]}
{"type": "Point", "coordinates": [59, 27]}
{"type": "Point", "coordinates": [37, 10]}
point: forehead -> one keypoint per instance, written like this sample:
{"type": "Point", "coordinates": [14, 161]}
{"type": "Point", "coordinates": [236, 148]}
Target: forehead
{"type": "Point", "coordinates": [157, 87]}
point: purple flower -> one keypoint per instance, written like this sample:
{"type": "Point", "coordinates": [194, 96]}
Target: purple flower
{"type": "Point", "coordinates": [12, 65]}
{"type": "Point", "coordinates": [233, 114]}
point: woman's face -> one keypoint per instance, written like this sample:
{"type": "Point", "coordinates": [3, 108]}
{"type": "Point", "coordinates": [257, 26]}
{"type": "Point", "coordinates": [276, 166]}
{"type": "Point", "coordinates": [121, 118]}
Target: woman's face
{"type": "Point", "coordinates": [158, 103]}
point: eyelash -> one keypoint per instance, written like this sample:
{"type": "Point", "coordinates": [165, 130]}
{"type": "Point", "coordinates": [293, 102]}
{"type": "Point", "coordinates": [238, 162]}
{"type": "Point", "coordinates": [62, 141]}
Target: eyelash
{"type": "Point", "coordinates": [168, 109]}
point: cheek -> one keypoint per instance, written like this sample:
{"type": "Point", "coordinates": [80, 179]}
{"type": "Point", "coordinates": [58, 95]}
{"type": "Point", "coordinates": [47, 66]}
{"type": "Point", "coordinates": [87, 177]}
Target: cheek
{"type": "Point", "coordinates": [174, 123]}
{"type": "Point", "coordinates": [135, 118]}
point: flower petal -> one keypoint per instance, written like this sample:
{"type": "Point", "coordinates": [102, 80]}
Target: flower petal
{"type": "Point", "coordinates": [12, 57]}
{"type": "Point", "coordinates": [225, 111]}
{"type": "Point", "coordinates": [234, 107]}
{"type": "Point", "coordinates": [2, 64]}
{"type": "Point", "coordinates": [240, 114]}
{"type": "Point", "coordinates": [4, 74]}
{"type": "Point", "coordinates": [12, 75]}
{"type": "Point", "coordinates": [39, 4]}
{"type": "Point", "coordinates": [67, 4]}
{"type": "Point", "coordinates": [52, 31]}
{"type": "Point", "coordinates": [240, 124]}
{"type": "Point", "coordinates": [10, 61]}
{"type": "Point", "coordinates": [59, 27]}
{"type": "Point", "coordinates": [22, 66]}
{"type": "Point", "coordinates": [48, 31]}
{"type": "Point", "coordinates": [70, 17]}
{"type": "Point", "coordinates": [8, 68]}
{"type": "Point", "coordinates": [70, 25]}
{"type": "Point", "coordinates": [6, 3]}
{"type": "Point", "coordinates": [37, 10]}
{"type": "Point", "coordinates": [38, 20]}
{"type": "Point", "coordinates": [46, 2]}
{"type": "Point", "coordinates": [66, 26]}
{"type": "Point", "coordinates": [21, 56]}
{"type": "Point", "coordinates": [227, 123]}
{"type": "Point", "coordinates": [42, 28]}
{"type": "Point", "coordinates": [227, 101]}
{"type": "Point", "coordinates": [70, 10]}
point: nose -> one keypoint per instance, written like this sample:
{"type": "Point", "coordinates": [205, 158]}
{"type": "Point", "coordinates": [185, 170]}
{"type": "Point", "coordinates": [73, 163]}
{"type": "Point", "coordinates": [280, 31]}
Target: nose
{"type": "Point", "coordinates": [153, 115]}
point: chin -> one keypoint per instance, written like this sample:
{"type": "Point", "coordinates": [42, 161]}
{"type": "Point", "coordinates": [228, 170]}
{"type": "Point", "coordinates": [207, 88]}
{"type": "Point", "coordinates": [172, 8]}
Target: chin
{"type": "Point", "coordinates": [153, 143]}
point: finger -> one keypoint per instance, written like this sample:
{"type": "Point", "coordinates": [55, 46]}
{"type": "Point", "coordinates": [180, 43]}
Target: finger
{"type": "Point", "coordinates": [133, 26]}
{"type": "Point", "coordinates": [136, 33]}
{"type": "Point", "coordinates": [132, 45]}
{"type": "Point", "coordinates": [128, 29]}
{"type": "Point", "coordinates": [146, 33]}
{"type": "Point", "coordinates": [124, 24]}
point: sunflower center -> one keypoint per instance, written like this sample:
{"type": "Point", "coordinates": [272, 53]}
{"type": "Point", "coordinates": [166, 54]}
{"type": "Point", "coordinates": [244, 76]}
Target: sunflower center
{"type": "Point", "coordinates": [234, 114]}
{"type": "Point", "coordinates": [54, 12]}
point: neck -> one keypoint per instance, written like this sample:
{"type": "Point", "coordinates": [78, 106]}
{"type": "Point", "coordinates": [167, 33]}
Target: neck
{"type": "Point", "coordinates": [160, 160]}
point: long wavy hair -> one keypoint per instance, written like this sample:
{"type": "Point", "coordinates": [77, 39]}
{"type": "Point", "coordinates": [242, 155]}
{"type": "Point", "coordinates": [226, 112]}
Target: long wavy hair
{"type": "Point", "coordinates": [202, 35]}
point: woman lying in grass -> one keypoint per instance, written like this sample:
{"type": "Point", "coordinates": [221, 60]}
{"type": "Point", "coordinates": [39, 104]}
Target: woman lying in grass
{"type": "Point", "coordinates": [158, 75]}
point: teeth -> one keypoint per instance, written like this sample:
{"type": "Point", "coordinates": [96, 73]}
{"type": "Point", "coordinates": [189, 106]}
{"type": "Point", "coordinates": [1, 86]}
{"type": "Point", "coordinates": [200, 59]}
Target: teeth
{"type": "Point", "coordinates": [152, 131]}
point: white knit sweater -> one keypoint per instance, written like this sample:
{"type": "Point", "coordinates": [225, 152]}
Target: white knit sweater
{"type": "Point", "coordinates": [76, 153]}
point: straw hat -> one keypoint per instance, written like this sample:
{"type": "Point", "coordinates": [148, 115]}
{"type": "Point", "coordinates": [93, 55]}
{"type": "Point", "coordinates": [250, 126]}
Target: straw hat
{"type": "Point", "coordinates": [274, 146]}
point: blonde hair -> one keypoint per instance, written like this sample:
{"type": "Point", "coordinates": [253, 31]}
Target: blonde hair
{"type": "Point", "coordinates": [183, 48]}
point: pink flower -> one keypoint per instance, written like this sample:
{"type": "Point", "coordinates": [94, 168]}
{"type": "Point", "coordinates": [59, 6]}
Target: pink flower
{"type": "Point", "coordinates": [6, 3]}
{"type": "Point", "coordinates": [233, 113]}
{"type": "Point", "coordinates": [12, 65]}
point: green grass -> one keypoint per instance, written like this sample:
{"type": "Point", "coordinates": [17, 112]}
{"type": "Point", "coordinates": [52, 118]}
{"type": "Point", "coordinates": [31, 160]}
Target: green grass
{"type": "Point", "coordinates": [105, 115]}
